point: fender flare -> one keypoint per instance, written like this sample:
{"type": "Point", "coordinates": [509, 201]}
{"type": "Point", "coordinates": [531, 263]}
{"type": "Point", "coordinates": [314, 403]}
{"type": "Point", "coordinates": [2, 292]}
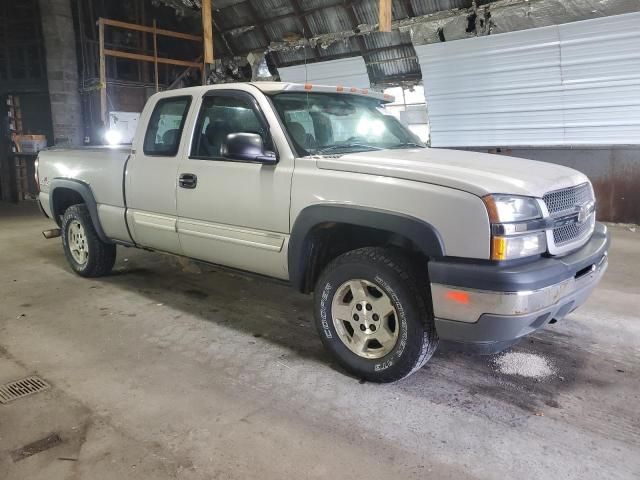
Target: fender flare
{"type": "Point", "coordinates": [424, 235]}
{"type": "Point", "coordinates": [85, 192]}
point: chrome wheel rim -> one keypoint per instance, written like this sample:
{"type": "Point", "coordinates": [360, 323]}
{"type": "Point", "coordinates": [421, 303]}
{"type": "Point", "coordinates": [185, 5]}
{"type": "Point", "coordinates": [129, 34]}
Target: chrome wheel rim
{"type": "Point", "coordinates": [77, 242]}
{"type": "Point", "coordinates": [365, 319]}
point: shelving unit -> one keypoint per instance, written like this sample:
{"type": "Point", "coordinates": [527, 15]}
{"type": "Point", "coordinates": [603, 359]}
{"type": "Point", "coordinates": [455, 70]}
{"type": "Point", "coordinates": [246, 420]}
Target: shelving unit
{"type": "Point", "coordinates": [17, 171]}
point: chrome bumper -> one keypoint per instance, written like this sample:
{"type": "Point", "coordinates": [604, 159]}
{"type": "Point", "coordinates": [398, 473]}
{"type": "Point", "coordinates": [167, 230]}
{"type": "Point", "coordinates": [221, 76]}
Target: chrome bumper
{"type": "Point", "coordinates": [468, 305]}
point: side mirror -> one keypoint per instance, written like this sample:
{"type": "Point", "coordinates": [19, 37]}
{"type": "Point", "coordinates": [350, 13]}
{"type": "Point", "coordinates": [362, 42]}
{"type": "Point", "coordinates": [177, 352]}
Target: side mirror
{"type": "Point", "coordinates": [247, 147]}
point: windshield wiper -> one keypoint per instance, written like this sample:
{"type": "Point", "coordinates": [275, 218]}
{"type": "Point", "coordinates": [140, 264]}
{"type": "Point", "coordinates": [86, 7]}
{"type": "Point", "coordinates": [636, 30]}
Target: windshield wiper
{"type": "Point", "coordinates": [407, 144]}
{"type": "Point", "coordinates": [347, 146]}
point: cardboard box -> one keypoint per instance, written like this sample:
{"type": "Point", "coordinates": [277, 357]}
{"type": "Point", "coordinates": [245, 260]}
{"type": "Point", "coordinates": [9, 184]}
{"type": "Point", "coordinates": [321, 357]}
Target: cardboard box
{"type": "Point", "coordinates": [31, 143]}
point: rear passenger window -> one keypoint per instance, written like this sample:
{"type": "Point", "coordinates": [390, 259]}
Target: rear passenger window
{"type": "Point", "coordinates": [165, 126]}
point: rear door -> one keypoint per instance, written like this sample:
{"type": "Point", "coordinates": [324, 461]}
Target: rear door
{"type": "Point", "coordinates": [231, 212]}
{"type": "Point", "coordinates": [150, 178]}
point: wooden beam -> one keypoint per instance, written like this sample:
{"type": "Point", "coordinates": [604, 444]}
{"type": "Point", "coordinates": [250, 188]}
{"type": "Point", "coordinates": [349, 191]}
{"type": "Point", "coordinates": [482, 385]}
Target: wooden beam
{"type": "Point", "coordinates": [207, 32]}
{"type": "Point", "coordinates": [385, 16]}
{"type": "Point", "coordinates": [150, 58]}
{"type": "Point", "coordinates": [155, 56]}
{"type": "Point", "coordinates": [142, 28]}
{"type": "Point", "coordinates": [103, 73]}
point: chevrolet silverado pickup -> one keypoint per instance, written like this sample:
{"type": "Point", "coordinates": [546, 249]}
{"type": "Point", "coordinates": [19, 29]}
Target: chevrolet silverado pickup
{"type": "Point", "coordinates": [401, 245]}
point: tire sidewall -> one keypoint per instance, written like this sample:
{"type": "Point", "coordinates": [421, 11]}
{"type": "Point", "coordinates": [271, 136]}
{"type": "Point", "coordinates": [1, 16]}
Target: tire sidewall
{"type": "Point", "coordinates": [402, 357]}
{"type": "Point", "coordinates": [73, 213]}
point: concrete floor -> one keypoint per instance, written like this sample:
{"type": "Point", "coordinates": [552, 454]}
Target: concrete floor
{"type": "Point", "coordinates": [163, 370]}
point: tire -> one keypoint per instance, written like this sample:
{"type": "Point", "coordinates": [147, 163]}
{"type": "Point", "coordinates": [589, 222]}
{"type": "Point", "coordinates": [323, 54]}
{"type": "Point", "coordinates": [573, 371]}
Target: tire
{"type": "Point", "coordinates": [86, 253]}
{"type": "Point", "coordinates": [383, 272]}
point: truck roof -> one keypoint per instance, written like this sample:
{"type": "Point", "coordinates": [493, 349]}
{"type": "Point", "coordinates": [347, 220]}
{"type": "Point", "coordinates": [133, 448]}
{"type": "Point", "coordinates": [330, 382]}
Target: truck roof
{"type": "Point", "coordinates": [276, 87]}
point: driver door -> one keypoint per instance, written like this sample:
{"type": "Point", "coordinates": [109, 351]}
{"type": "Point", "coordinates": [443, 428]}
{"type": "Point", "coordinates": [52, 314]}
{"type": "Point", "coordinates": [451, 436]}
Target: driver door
{"type": "Point", "coordinates": [231, 212]}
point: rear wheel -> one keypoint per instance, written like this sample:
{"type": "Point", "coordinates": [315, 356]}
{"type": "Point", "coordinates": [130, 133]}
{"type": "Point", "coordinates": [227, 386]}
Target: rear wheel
{"type": "Point", "coordinates": [373, 312]}
{"type": "Point", "coordinates": [86, 253]}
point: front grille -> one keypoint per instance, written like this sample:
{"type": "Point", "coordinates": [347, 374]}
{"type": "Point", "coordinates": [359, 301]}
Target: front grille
{"type": "Point", "coordinates": [566, 199]}
{"type": "Point", "coordinates": [569, 233]}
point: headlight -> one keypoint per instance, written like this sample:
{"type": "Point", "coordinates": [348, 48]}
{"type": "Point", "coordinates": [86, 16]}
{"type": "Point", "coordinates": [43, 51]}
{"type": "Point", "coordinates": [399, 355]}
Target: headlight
{"type": "Point", "coordinates": [506, 208]}
{"type": "Point", "coordinates": [517, 227]}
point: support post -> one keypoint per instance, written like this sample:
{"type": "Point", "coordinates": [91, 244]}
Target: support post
{"type": "Point", "coordinates": [207, 37]}
{"type": "Point", "coordinates": [103, 74]}
{"type": "Point", "coordinates": [155, 54]}
{"type": "Point", "coordinates": [385, 17]}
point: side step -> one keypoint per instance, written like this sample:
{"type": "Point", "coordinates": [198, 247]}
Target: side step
{"type": "Point", "coordinates": [53, 233]}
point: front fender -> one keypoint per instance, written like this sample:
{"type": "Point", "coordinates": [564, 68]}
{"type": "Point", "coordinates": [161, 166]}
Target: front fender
{"type": "Point", "coordinates": [420, 233]}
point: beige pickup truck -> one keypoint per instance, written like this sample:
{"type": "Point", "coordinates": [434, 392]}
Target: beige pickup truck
{"type": "Point", "coordinates": [401, 245]}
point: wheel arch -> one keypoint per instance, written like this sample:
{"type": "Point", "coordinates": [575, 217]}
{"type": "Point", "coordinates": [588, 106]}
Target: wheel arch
{"type": "Point", "coordinates": [307, 240]}
{"type": "Point", "coordinates": [65, 192]}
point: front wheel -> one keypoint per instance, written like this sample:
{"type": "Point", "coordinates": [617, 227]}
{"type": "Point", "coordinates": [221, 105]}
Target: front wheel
{"type": "Point", "coordinates": [86, 253]}
{"type": "Point", "coordinates": [373, 312]}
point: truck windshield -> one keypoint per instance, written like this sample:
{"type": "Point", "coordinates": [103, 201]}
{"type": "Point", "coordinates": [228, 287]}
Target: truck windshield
{"type": "Point", "coordinates": [326, 123]}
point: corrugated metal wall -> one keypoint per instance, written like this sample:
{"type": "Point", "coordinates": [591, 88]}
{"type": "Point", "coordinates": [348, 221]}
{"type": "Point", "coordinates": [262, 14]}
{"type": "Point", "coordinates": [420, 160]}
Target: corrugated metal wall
{"type": "Point", "coordinates": [348, 72]}
{"type": "Point", "coordinates": [572, 84]}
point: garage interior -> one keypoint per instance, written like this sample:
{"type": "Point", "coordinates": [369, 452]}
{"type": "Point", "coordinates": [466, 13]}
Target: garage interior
{"type": "Point", "coordinates": [171, 368]}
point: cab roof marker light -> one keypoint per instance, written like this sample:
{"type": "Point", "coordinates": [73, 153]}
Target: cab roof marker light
{"type": "Point", "coordinates": [297, 87]}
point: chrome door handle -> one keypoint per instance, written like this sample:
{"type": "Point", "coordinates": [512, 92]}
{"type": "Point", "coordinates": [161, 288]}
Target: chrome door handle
{"type": "Point", "coordinates": [187, 180]}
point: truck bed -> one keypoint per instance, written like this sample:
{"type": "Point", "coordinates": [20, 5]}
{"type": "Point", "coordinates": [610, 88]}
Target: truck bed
{"type": "Point", "coordinates": [102, 168]}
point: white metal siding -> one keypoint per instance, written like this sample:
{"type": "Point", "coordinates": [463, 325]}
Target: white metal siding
{"type": "Point", "coordinates": [347, 72]}
{"type": "Point", "coordinates": [572, 84]}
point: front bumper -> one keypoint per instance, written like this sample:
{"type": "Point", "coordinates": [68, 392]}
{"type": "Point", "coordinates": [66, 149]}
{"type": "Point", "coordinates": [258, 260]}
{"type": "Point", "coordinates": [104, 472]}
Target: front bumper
{"type": "Point", "coordinates": [489, 306]}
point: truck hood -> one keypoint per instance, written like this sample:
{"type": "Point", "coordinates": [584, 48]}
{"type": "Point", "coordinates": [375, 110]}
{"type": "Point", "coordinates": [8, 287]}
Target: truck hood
{"type": "Point", "coordinates": [476, 173]}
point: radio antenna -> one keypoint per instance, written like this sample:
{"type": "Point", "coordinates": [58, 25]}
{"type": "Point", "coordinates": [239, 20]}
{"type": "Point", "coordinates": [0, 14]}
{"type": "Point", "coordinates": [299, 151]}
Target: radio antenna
{"type": "Point", "coordinates": [304, 49]}
{"type": "Point", "coordinates": [306, 70]}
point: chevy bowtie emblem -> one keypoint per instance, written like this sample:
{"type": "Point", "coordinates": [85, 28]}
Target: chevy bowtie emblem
{"type": "Point", "coordinates": [585, 209]}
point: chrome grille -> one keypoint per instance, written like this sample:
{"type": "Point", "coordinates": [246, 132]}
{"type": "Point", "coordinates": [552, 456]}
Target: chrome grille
{"type": "Point", "coordinates": [566, 199]}
{"type": "Point", "coordinates": [568, 233]}
{"type": "Point", "coordinates": [567, 202]}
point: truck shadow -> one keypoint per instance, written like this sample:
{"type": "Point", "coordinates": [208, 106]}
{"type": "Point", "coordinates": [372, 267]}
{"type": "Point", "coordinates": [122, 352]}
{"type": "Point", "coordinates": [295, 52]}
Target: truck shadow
{"type": "Point", "coordinates": [276, 313]}
{"type": "Point", "coordinates": [252, 305]}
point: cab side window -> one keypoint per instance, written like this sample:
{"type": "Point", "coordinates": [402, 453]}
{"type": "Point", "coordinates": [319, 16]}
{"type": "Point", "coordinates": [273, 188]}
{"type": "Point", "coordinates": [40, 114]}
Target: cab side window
{"type": "Point", "coordinates": [220, 116]}
{"type": "Point", "coordinates": [165, 126]}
